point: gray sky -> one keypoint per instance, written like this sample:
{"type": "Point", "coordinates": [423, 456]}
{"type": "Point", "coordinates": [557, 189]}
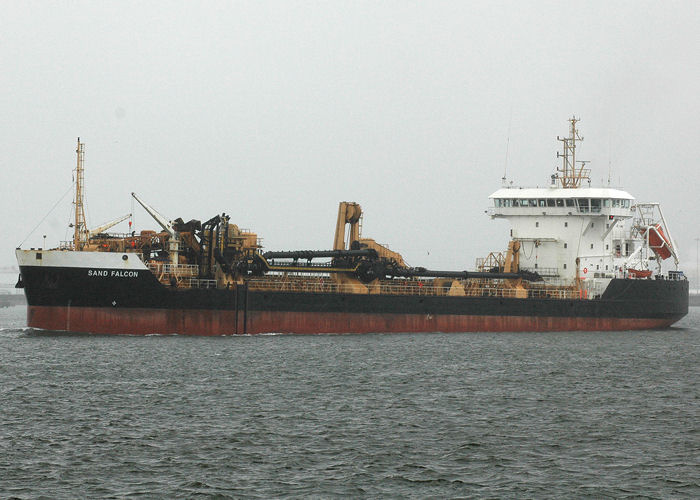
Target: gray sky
{"type": "Point", "coordinates": [274, 112]}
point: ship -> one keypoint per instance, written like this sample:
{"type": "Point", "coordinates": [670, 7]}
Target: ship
{"type": "Point", "coordinates": [579, 258]}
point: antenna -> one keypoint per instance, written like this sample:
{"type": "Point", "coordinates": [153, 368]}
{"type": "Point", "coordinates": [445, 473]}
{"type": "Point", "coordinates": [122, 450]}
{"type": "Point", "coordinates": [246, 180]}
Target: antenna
{"type": "Point", "coordinates": [609, 158]}
{"type": "Point", "coordinates": [505, 165]}
{"type": "Point", "coordinates": [571, 177]}
{"type": "Point", "coordinates": [79, 225]}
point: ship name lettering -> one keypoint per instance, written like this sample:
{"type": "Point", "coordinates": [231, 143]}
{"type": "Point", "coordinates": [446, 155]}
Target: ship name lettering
{"type": "Point", "coordinates": [97, 272]}
{"type": "Point", "coordinates": [125, 274]}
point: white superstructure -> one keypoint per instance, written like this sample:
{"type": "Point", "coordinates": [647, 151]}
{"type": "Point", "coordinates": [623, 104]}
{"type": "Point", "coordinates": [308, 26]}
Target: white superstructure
{"type": "Point", "coordinates": [568, 232]}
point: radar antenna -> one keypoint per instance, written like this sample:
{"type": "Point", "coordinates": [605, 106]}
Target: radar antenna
{"type": "Point", "coordinates": [569, 176]}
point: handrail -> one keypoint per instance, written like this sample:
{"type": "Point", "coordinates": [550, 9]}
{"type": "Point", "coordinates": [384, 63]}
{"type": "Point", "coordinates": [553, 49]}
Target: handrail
{"type": "Point", "coordinates": [410, 288]}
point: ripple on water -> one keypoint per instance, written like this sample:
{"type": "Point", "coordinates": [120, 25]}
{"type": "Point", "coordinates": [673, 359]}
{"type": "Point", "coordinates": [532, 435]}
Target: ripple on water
{"type": "Point", "coordinates": [492, 415]}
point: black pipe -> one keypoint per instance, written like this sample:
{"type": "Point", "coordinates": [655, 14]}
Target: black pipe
{"type": "Point", "coordinates": [245, 310]}
{"type": "Point", "coordinates": [235, 307]}
{"type": "Point", "coordinates": [209, 243]}
{"type": "Point", "coordinates": [422, 272]}
{"type": "Point", "coordinates": [313, 254]}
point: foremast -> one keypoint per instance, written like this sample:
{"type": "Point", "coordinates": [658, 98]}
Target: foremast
{"type": "Point", "coordinates": [79, 225]}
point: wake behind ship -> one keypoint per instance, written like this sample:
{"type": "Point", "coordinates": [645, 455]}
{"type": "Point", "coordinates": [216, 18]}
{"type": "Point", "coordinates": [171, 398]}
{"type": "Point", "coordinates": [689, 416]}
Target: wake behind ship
{"type": "Point", "coordinates": [580, 258]}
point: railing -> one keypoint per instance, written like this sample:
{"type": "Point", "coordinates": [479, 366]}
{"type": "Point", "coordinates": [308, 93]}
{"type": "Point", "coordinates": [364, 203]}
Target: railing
{"type": "Point", "coordinates": [412, 288]}
{"type": "Point", "coordinates": [548, 272]}
{"type": "Point", "coordinates": [177, 270]}
{"type": "Point", "coordinates": [197, 283]}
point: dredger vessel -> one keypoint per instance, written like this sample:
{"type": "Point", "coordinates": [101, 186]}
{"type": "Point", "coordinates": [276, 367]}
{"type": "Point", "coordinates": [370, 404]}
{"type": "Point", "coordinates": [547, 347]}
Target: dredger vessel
{"type": "Point", "coordinates": [579, 258]}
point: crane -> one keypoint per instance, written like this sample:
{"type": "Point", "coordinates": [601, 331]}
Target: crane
{"type": "Point", "coordinates": [174, 240]}
{"type": "Point", "coordinates": [105, 226]}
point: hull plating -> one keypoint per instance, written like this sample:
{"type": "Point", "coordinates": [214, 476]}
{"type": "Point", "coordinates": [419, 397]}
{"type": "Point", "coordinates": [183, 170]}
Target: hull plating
{"type": "Point", "coordinates": [112, 301]}
{"type": "Point", "coordinates": [208, 322]}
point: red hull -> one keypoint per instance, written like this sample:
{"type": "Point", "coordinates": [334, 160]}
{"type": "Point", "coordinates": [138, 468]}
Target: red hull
{"type": "Point", "coordinates": [217, 322]}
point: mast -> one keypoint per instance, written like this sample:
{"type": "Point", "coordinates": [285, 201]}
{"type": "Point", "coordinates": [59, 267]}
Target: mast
{"type": "Point", "coordinates": [79, 224]}
{"type": "Point", "coordinates": [571, 177]}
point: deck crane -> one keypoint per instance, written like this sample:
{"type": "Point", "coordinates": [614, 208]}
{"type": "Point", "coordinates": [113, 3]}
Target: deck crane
{"type": "Point", "coordinates": [174, 240]}
{"type": "Point", "coordinates": [105, 226]}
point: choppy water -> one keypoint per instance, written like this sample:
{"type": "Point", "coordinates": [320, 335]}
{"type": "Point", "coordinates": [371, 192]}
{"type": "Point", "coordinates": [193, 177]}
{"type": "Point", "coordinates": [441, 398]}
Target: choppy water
{"type": "Point", "coordinates": [529, 415]}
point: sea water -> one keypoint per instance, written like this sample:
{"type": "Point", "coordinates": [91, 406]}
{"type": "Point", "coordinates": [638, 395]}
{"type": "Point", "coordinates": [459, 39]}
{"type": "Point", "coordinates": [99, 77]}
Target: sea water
{"type": "Point", "coordinates": [498, 415]}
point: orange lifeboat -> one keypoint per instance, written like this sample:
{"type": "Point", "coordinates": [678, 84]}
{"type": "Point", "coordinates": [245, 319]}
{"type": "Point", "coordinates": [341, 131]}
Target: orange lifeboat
{"type": "Point", "coordinates": [639, 273]}
{"type": "Point", "coordinates": [658, 242]}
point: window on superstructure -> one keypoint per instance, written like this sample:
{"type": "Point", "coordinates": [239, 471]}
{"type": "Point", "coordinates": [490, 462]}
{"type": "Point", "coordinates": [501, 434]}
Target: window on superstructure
{"type": "Point", "coordinates": [551, 202]}
{"type": "Point", "coordinates": [537, 224]}
{"type": "Point", "coordinates": [616, 203]}
{"type": "Point", "coordinates": [570, 202]}
{"type": "Point", "coordinates": [533, 203]}
{"type": "Point", "coordinates": [516, 202]}
{"type": "Point", "coordinates": [595, 204]}
{"type": "Point", "coordinates": [606, 202]}
{"type": "Point", "coordinates": [542, 203]}
{"type": "Point", "coordinates": [583, 205]}
{"type": "Point", "coordinates": [566, 224]}
{"type": "Point", "coordinates": [564, 266]}
{"type": "Point", "coordinates": [607, 247]}
{"type": "Point", "coordinates": [591, 246]}
{"type": "Point", "coordinates": [566, 245]}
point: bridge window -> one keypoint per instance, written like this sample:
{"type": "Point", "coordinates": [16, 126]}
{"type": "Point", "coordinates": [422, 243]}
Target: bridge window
{"type": "Point", "coordinates": [560, 202]}
{"type": "Point", "coordinates": [542, 203]}
{"type": "Point", "coordinates": [550, 202]}
{"type": "Point", "coordinates": [606, 202]}
{"type": "Point", "coordinates": [595, 204]}
{"type": "Point", "coordinates": [533, 203]}
{"type": "Point", "coordinates": [570, 202]}
{"type": "Point", "coordinates": [583, 204]}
